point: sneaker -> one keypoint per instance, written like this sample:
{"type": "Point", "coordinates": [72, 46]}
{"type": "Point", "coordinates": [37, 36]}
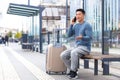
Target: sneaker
{"type": "Point", "coordinates": [73, 75]}
{"type": "Point", "coordinates": [68, 73]}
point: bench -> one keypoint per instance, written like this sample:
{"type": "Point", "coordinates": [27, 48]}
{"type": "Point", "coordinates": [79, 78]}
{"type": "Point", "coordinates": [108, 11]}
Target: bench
{"type": "Point", "coordinates": [28, 46]}
{"type": "Point", "coordinates": [105, 61]}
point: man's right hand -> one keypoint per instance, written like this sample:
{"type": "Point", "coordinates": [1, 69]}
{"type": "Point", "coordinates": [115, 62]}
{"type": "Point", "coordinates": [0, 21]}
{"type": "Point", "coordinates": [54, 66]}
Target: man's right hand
{"type": "Point", "coordinates": [73, 21]}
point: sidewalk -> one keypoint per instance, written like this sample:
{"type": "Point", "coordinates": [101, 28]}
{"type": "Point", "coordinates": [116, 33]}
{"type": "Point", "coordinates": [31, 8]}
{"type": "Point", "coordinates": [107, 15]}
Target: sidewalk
{"type": "Point", "coordinates": [31, 66]}
{"type": "Point", "coordinates": [111, 50]}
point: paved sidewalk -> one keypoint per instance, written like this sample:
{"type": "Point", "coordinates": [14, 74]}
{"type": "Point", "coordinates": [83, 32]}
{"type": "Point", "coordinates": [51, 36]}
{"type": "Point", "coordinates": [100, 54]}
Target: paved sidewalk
{"type": "Point", "coordinates": [111, 50]}
{"type": "Point", "coordinates": [30, 65]}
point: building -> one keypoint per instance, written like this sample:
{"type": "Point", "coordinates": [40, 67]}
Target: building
{"type": "Point", "coordinates": [54, 15]}
{"type": "Point", "coordinates": [94, 16]}
{"type": "Point", "coordinates": [0, 18]}
{"type": "Point", "coordinates": [4, 31]}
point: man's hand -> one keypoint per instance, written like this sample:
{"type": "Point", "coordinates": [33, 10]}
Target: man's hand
{"type": "Point", "coordinates": [79, 37]}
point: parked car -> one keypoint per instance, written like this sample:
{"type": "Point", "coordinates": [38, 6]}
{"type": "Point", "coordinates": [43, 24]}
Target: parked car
{"type": "Point", "coordinates": [16, 40]}
{"type": "Point", "coordinates": [0, 40]}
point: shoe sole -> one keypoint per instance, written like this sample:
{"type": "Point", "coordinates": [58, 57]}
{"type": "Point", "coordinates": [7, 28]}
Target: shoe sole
{"type": "Point", "coordinates": [73, 78]}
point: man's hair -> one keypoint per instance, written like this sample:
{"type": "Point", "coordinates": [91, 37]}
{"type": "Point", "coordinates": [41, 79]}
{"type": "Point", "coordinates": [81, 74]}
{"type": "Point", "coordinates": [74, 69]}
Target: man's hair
{"type": "Point", "coordinates": [81, 10]}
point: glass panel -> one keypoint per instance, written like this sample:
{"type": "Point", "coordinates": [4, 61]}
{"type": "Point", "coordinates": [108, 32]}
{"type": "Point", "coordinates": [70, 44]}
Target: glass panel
{"type": "Point", "coordinates": [55, 11]}
{"type": "Point", "coordinates": [115, 29]}
{"type": "Point", "coordinates": [111, 10]}
{"type": "Point", "coordinates": [74, 4]}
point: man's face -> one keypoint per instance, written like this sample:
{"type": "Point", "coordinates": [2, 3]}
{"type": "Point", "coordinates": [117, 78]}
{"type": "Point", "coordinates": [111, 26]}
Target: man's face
{"type": "Point", "coordinates": [79, 16]}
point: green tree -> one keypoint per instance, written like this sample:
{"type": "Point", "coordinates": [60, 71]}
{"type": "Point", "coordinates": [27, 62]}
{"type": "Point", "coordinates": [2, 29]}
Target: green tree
{"type": "Point", "coordinates": [18, 35]}
{"type": "Point", "coordinates": [9, 34]}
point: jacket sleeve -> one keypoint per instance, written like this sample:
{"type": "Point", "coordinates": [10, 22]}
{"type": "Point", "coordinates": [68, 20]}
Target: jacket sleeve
{"type": "Point", "coordinates": [88, 33]}
{"type": "Point", "coordinates": [71, 31]}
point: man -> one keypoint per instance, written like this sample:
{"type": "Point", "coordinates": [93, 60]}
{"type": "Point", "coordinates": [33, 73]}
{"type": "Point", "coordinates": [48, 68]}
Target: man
{"type": "Point", "coordinates": [6, 40]}
{"type": "Point", "coordinates": [82, 31]}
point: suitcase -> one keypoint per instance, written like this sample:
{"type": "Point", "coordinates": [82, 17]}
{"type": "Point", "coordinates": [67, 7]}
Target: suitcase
{"type": "Point", "coordinates": [54, 64]}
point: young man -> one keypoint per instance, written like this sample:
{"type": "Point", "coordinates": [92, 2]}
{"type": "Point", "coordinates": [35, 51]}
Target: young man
{"type": "Point", "coordinates": [82, 31]}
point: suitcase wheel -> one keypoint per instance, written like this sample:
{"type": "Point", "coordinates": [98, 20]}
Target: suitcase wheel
{"type": "Point", "coordinates": [63, 73]}
{"type": "Point", "coordinates": [48, 72]}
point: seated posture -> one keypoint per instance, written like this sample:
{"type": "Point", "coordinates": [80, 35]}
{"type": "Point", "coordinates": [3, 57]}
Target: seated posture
{"type": "Point", "coordinates": [82, 32]}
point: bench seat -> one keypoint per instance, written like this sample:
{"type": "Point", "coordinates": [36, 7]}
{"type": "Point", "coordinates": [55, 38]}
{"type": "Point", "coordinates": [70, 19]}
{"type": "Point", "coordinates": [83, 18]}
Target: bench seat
{"type": "Point", "coordinates": [105, 61]}
{"type": "Point", "coordinates": [28, 45]}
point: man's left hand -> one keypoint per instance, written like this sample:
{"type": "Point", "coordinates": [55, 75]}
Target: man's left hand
{"type": "Point", "coordinates": [79, 37]}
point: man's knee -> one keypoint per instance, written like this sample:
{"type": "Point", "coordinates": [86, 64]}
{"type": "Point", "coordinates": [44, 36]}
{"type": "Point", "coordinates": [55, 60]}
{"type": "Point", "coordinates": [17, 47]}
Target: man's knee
{"type": "Point", "coordinates": [74, 52]}
{"type": "Point", "coordinates": [63, 56]}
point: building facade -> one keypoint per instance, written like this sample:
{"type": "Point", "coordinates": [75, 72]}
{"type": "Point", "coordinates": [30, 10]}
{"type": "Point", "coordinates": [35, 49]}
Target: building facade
{"type": "Point", "coordinates": [94, 17]}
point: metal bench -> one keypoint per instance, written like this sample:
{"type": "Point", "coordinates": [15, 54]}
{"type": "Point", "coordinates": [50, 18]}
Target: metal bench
{"type": "Point", "coordinates": [28, 45]}
{"type": "Point", "coordinates": [105, 61]}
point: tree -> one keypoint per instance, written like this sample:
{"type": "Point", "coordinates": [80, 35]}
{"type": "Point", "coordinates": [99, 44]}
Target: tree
{"type": "Point", "coordinates": [9, 34]}
{"type": "Point", "coordinates": [18, 35]}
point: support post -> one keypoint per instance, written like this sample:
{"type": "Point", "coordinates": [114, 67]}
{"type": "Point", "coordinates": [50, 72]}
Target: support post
{"type": "Point", "coordinates": [66, 13]}
{"type": "Point", "coordinates": [40, 28]}
{"type": "Point", "coordinates": [95, 67]}
{"type": "Point", "coordinates": [86, 61]}
{"type": "Point", "coordinates": [48, 37]}
{"type": "Point", "coordinates": [105, 46]}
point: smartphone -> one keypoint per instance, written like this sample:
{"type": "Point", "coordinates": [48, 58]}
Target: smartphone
{"type": "Point", "coordinates": [74, 19]}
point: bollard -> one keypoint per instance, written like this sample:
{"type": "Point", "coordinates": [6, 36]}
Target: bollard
{"type": "Point", "coordinates": [37, 49]}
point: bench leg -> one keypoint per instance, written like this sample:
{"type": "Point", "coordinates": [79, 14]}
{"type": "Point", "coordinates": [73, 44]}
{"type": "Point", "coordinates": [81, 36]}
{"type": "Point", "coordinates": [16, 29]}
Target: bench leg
{"type": "Point", "coordinates": [95, 67]}
{"type": "Point", "coordinates": [105, 68]}
{"type": "Point", "coordinates": [86, 63]}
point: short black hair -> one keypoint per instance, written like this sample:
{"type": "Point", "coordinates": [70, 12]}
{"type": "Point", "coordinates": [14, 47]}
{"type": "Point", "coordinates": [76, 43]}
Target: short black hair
{"type": "Point", "coordinates": [81, 10]}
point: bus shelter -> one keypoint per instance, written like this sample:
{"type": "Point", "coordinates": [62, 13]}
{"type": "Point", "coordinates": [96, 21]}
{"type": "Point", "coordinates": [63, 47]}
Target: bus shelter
{"type": "Point", "coordinates": [28, 11]}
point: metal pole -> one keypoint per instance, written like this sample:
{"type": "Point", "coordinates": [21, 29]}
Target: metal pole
{"type": "Point", "coordinates": [86, 62]}
{"type": "Point", "coordinates": [58, 36]}
{"type": "Point", "coordinates": [104, 43]}
{"type": "Point", "coordinates": [102, 26]}
{"type": "Point", "coordinates": [66, 13]}
{"type": "Point", "coordinates": [28, 2]}
{"type": "Point", "coordinates": [40, 29]}
{"type": "Point", "coordinates": [102, 29]}
{"type": "Point", "coordinates": [48, 37]}
{"type": "Point", "coordinates": [32, 25]}
{"type": "Point", "coordinates": [83, 4]}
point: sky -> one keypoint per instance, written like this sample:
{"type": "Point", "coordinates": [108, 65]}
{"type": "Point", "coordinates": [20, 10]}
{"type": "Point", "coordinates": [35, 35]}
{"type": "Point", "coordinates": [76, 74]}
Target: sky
{"type": "Point", "coordinates": [13, 21]}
